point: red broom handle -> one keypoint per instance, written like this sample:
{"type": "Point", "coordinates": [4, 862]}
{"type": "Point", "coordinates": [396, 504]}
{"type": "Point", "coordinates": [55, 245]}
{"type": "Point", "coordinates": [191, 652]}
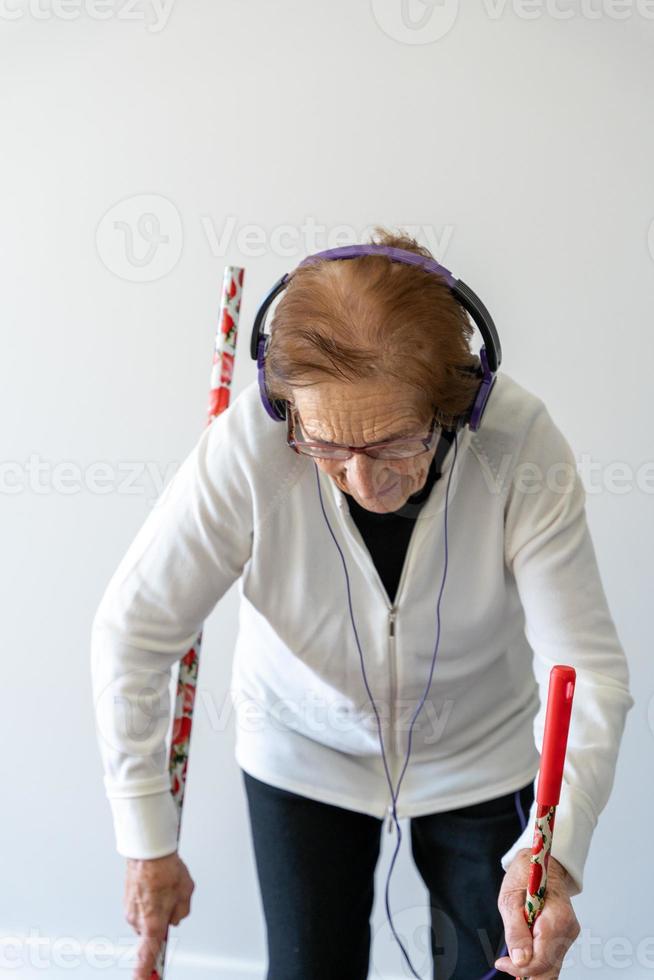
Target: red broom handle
{"type": "Point", "coordinates": [219, 392]}
{"type": "Point", "coordinates": [548, 791]}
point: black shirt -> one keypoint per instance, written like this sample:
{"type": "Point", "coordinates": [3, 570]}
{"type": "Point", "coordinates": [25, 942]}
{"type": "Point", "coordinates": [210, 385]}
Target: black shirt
{"type": "Point", "coordinates": [387, 535]}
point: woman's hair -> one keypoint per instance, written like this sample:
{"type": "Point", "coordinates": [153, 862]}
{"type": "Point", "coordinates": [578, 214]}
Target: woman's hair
{"type": "Point", "coordinates": [370, 317]}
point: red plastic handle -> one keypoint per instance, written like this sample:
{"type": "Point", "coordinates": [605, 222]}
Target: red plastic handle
{"type": "Point", "coordinates": [555, 738]}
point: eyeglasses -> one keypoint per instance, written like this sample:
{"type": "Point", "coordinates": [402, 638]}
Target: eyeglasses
{"type": "Point", "coordinates": [403, 448]}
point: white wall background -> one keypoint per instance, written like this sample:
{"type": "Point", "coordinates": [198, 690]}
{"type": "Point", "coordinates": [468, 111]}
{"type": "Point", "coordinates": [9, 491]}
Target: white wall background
{"type": "Point", "coordinates": [517, 140]}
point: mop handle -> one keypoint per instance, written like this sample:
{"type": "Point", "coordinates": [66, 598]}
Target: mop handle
{"type": "Point", "coordinates": [219, 391]}
{"type": "Point", "coordinates": [548, 792]}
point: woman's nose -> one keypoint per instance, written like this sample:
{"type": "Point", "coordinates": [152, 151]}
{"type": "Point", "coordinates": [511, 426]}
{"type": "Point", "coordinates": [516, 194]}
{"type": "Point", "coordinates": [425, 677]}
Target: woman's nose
{"type": "Point", "coordinates": [368, 476]}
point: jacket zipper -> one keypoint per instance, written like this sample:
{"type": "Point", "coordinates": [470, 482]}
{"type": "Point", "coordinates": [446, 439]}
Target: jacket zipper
{"type": "Point", "coordinates": [391, 737]}
{"type": "Point", "coordinates": [392, 660]}
{"type": "Point", "coordinates": [392, 615]}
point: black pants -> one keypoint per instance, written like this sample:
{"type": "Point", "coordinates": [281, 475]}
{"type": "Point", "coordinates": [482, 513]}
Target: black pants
{"type": "Point", "coordinates": [316, 864]}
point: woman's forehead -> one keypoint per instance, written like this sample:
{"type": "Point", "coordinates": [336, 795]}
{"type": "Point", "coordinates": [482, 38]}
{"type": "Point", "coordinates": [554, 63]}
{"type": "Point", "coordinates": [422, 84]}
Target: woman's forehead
{"type": "Point", "coordinates": [364, 412]}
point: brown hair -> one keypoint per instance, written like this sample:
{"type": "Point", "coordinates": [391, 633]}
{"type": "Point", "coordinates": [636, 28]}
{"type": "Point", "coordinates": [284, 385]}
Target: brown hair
{"type": "Point", "coordinates": [371, 317]}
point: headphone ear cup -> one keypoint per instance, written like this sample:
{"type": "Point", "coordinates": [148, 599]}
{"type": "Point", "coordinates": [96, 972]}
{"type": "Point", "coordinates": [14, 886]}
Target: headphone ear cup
{"type": "Point", "coordinates": [476, 370]}
{"type": "Point", "coordinates": [275, 408]}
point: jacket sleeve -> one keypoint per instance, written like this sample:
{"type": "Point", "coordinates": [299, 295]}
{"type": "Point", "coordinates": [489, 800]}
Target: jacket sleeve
{"type": "Point", "coordinates": [192, 546]}
{"type": "Point", "coordinates": [549, 551]}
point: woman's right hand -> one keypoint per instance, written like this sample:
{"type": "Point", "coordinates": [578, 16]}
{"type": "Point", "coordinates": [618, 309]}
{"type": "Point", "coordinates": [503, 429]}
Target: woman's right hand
{"type": "Point", "coordinates": [157, 894]}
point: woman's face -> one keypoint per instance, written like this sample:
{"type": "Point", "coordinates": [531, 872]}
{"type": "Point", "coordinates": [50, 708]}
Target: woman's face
{"type": "Point", "coordinates": [357, 414]}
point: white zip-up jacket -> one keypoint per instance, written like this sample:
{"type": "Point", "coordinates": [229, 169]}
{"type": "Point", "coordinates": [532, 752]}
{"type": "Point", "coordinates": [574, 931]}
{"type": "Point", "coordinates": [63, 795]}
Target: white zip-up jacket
{"type": "Point", "coordinates": [522, 593]}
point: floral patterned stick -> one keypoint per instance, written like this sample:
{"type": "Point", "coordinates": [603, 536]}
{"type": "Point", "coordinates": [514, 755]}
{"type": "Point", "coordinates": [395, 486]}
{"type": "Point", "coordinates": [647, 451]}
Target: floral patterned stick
{"type": "Point", "coordinates": [555, 740]}
{"type": "Point", "coordinates": [221, 379]}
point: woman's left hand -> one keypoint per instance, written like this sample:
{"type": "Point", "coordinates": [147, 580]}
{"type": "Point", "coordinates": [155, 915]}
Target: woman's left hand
{"type": "Point", "coordinates": [554, 930]}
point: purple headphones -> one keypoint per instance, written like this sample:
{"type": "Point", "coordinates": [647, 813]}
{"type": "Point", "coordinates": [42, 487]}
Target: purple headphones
{"type": "Point", "coordinates": [490, 355]}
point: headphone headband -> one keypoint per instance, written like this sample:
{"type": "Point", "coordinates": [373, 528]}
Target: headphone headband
{"type": "Point", "coordinates": [490, 355]}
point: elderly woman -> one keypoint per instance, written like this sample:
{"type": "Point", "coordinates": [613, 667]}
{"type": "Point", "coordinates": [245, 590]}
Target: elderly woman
{"type": "Point", "coordinates": [345, 528]}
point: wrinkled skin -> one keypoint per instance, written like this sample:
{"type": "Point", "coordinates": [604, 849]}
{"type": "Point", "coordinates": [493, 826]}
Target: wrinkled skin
{"type": "Point", "coordinates": [157, 893]}
{"type": "Point", "coordinates": [360, 413]}
{"type": "Point", "coordinates": [555, 929]}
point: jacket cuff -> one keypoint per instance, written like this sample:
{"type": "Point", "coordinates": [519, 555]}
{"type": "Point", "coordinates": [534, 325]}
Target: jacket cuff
{"type": "Point", "coordinates": [573, 830]}
{"type": "Point", "coordinates": [145, 826]}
